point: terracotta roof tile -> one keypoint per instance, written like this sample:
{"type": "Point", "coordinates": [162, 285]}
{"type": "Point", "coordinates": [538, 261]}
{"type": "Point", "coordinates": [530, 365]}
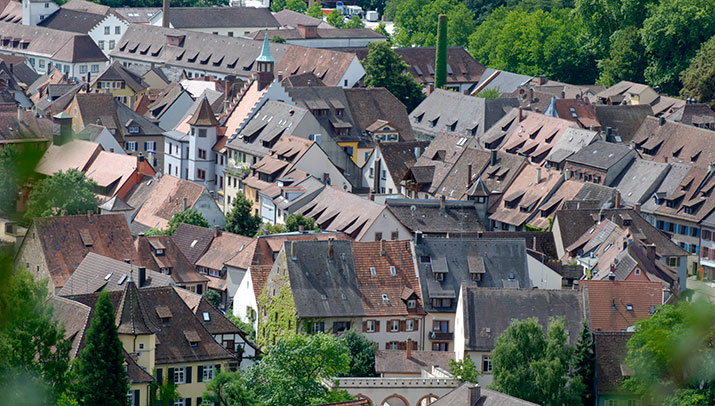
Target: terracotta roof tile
{"type": "Point", "coordinates": [617, 305]}
{"type": "Point", "coordinates": [182, 270]}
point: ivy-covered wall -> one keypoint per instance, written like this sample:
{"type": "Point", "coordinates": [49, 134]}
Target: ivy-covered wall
{"type": "Point", "coordinates": [276, 306]}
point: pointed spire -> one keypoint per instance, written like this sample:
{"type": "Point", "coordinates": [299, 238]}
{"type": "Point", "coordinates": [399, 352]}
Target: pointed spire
{"type": "Point", "coordinates": [131, 317]}
{"type": "Point", "coordinates": [478, 188]}
{"type": "Point", "coordinates": [266, 51]}
{"type": "Point", "coordinates": [204, 115]}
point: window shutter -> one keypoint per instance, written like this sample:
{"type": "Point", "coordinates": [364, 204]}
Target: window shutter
{"type": "Point", "coordinates": [417, 324]}
{"type": "Point", "coordinates": [171, 375]}
{"type": "Point", "coordinates": [335, 327]}
{"type": "Point", "coordinates": [218, 369]}
{"type": "Point", "coordinates": [387, 346]}
{"type": "Point", "coordinates": [199, 289]}
{"type": "Point", "coordinates": [198, 401]}
{"type": "Point", "coordinates": [200, 373]}
{"type": "Point", "coordinates": [159, 378]}
{"type": "Point", "coordinates": [187, 402]}
{"type": "Point", "coordinates": [403, 325]}
{"type": "Point", "coordinates": [414, 345]}
{"type": "Point", "coordinates": [401, 345]}
{"type": "Point", "coordinates": [136, 397]}
{"type": "Point", "coordinates": [364, 326]}
{"type": "Point", "coordinates": [188, 374]}
{"type": "Point", "coordinates": [377, 325]}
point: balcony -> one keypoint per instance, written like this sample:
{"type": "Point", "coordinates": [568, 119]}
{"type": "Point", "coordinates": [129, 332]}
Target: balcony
{"type": "Point", "coordinates": [440, 336]}
{"type": "Point", "coordinates": [236, 168]}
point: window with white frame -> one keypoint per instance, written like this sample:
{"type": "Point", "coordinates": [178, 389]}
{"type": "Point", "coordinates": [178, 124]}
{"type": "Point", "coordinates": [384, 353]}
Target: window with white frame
{"type": "Point", "coordinates": [179, 375]}
{"type": "Point", "coordinates": [106, 30]}
{"type": "Point", "coordinates": [394, 345]}
{"type": "Point", "coordinates": [82, 69]}
{"type": "Point", "coordinates": [371, 326]}
{"type": "Point", "coordinates": [410, 325]}
{"type": "Point", "coordinates": [486, 363]}
{"type": "Point", "coordinates": [95, 68]}
{"type": "Point", "coordinates": [411, 303]}
{"type": "Point", "coordinates": [179, 402]}
{"type": "Point", "coordinates": [101, 45]}
{"type": "Point", "coordinates": [111, 44]}
{"type": "Point", "coordinates": [395, 325]}
{"type": "Point", "coordinates": [131, 145]}
{"type": "Point", "coordinates": [208, 373]}
{"type": "Point", "coordinates": [42, 63]}
{"type": "Point", "coordinates": [117, 30]}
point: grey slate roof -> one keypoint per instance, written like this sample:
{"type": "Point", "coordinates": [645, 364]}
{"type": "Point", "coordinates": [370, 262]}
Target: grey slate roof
{"type": "Point", "coordinates": [670, 183]}
{"type": "Point", "coordinates": [313, 276]}
{"type": "Point", "coordinates": [600, 154]}
{"type": "Point", "coordinates": [460, 397]}
{"type": "Point", "coordinates": [58, 45]}
{"type": "Point", "coordinates": [624, 120]}
{"type": "Point", "coordinates": [327, 98]}
{"type": "Point", "coordinates": [505, 82]}
{"type": "Point", "coordinates": [456, 218]}
{"type": "Point", "coordinates": [503, 262]}
{"type": "Point", "coordinates": [221, 17]}
{"type": "Point", "coordinates": [72, 20]}
{"type": "Point", "coordinates": [469, 115]}
{"type": "Point", "coordinates": [115, 204]}
{"type": "Point", "coordinates": [137, 15]}
{"type": "Point", "coordinates": [290, 18]}
{"type": "Point", "coordinates": [97, 272]}
{"type": "Point", "coordinates": [573, 140]}
{"type": "Point", "coordinates": [639, 180]}
{"type": "Point", "coordinates": [193, 241]}
{"type": "Point", "coordinates": [127, 115]}
{"type": "Point", "coordinates": [494, 309]}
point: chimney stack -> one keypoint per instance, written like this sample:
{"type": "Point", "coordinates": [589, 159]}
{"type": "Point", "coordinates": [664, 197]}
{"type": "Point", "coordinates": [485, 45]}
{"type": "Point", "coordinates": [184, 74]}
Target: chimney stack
{"type": "Point", "coordinates": [142, 276]}
{"type": "Point", "coordinates": [650, 252]}
{"type": "Point", "coordinates": [637, 208]}
{"type": "Point", "coordinates": [494, 157]}
{"type": "Point", "coordinates": [418, 237]}
{"type": "Point", "coordinates": [184, 203]}
{"type": "Point", "coordinates": [217, 231]}
{"type": "Point", "coordinates": [469, 174]}
{"type": "Point", "coordinates": [661, 121]}
{"type": "Point", "coordinates": [538, 175]}
{"type": "Point", "coordinates": [617, 200]}
{"type": "Point", "coordinates": [567, 174]}
{"type": "Point", "coordinates": [417, 152]}
{"type": "Point", "coordinates": [430, 89]}
{"type": "Point", "coordinates": [475, 394]}
{"type": "Point", "coordinates": [408, 353]}
{"type": "Point", "coordinates": [521, 114]}
{"type": "Point", "coordinates": [441, 202]}
{"type": "Point", "coordinates": [165, 14]}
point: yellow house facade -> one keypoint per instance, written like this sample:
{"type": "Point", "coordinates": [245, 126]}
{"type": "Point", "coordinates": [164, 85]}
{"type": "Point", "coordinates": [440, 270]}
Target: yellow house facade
{"type": "Point", "coordinates": [121, 83]}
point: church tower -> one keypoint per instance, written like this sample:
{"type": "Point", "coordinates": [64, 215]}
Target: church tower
{"type": "Point", "coordinates": [265, 64]}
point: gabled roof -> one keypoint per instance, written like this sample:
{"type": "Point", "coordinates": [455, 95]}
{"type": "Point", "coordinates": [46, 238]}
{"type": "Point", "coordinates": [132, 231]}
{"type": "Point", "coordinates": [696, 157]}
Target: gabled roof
{"type": "Point", "coordinates": [97, 272]}
{"type": "Point", "coordinates": [611, 369]}
{"type": "Point", "coordinates": [137, 15]}
{"type": "Point", "coordinates": [73, 317]}
{"type": "Point", "coordinates": [486, 317]}
{"type": "Point", "coordinates": [181, 270]}
{"type": "Point", "coordinates": [573, 140]}
{"type": "Point", "coordinates": [174, 348]}
{"type": "Point", "coordinates": [321, 286]}
{"type": "Point", "coordinates": [57, 45]}
{"type": "Point", "coordinates": [456, 218]}
{"type": "Point", "coordinates": [330, 66]}
{"type": "Point", "coordinates": [159, 199]}
{"type": "Point", "coordinates": [601, 155]}
{"type": "Point", "coordinates": [399, 285]}
{"type": "Point", "coordinates": [392, 361]}
{"type": "Point", "coordinates": [302, 80]}
{"type": "Point", "coordinates": [462, 68]}
{"type": "Point", "coordinates": [368, 105]}
{"type": "Point", "coordinates": [204, 115]}
{"type": "Point", "coordinates": [321, 34]}
{"type": "Point", "coordinates": [400, 156]}
{"type": "Point", "coordinates": [223, 247]}
{"type": "Point", "coordinates": [530, 188]}
{"type": "Point", "coordinates": [66, 240]}
{"type": "Point", "coordinates": [333, 99]}
{"type": "Point", "coordinates": [666, 141]}
{"type": "Point", "coordinates": [501, 262]}
{"type": "Point", "coordinates": [638, 181]}
{"type": "Point", "coordinates": [131, 316]}
{"type": "Point", "coordinates": [76, 154]}
{"type": "Point", "coordinates": [193, 241]}
{"type": "Point", "coordinates": [100, 109]}
{"type": "Point", "coordinates": [617, 305]}
{"type": "Point", "coordinates": [221, 17]}
{"type": "Point", "coordinates": [456, 112]}
{"type": "Point", "coordinates": [66, 19]}
{"type": "Point", "coordinates": [86, 6]}
{"type": "Point", "coordinates": [290, 18]}
{"type": "Point", "coordinates": [696, 114]}
{"type": "Point", "coordinates": [623, 120]}
{"type": "Point", "coordinates": [487, 397]}
{"type": "Point", "coordinates": [130, 118]}
{"type": "Point", "coordinates": [503, 81]}
{"type": "Point", "coordinates": [116, 72]}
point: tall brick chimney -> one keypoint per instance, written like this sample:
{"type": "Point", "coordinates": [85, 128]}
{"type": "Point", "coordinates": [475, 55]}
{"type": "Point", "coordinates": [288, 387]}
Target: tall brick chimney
{"type": "Point", "coordinates": [165, 14]}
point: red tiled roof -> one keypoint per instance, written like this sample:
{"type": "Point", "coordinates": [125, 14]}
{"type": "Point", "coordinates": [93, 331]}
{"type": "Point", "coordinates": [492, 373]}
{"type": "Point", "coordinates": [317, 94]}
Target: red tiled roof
{"type": "Point", "coordinates": [610, 301]}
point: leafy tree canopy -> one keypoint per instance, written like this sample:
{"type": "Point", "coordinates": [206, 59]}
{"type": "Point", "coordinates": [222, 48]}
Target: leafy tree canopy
{"type": "Point", "coordinates": [17, 166]}
{"type": "Point", "coordinates": [295, 221]}
{"type": "Point", "coordinates": [336, 19]}
{"type": "Point", "coordinates": [241, 220]}
{"type": "Point", "coordinates": [355, 22]}
{"type": "Point", "coordinates": [534, 366]}
{"type": "Point", "coordinates": [315, 11]}
{"type": "Point", "coordinates": [298, 6]}
{"type": "Point", "coordinates": [627, 61]}
{"type": "Point", "coordinates": [416, 22]}
{"type": "Point", "coordinates": [102, 360]}
{"type": "Point", "coordinates": [699, 78]}
{"type": "Point", "coordinates": [361, 352]}
{"type": "Point", "coordinates": [384, 68]}
{"type": "Point", "coordinates": [489, 93]}
{"type": "Point", "coordinates": [71, 191]}
{"type": "Point", "coordinates": [672, 355]}
{"type": "Point", "coordinates": [464, 370]}
{"type": "Point", "coordinates": [213, 297]}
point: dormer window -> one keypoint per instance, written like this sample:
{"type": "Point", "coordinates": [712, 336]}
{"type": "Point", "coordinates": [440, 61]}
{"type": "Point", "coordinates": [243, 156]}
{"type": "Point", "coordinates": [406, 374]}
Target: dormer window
{"type": "Point", "coordinates": [411, 303]}
{"type": "Point", "coordinates": [157, 247]}
{"type": "Point", "coordinates": [339, 112]}
{"type": "Point", "coordinates": [133, 130]}
{"type": "Point", "coordinates": [439, 276]}
{"type": "Point", "coordinates": [193, 338]}
{"type": "Point", "coordinates": [164, 314]}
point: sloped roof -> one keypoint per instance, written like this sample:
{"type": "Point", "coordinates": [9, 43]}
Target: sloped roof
{"type": "Point", "coordinates": [115, 71]}
{"type": "Point", "coordinates": [619, 304]}
{"type": "Point", "coordinates": [486, 317]}
{"type": "Point", "coordinates": [63, 246]}
{"type": "Point", "coordinates": [322, 33]}
{"type": "Point", "coordinates": [204, 115]}
{"type": "Point", "coordinates": [193, 241]}
{"type": "Point", "coordinates": [76, 154]}
{"type": "Point", "coordinates": [71, 20]}
{"type": "Point", "coordinates": [223, 247]}
{"type": "Point", "coordinates": [624, 120]}
{"type": "Point", "coordinates": [58, 45]}
{"type": "Point", "coordinates": [400, 156]}
{"type": "Point", "coordinates": [600, 154]}
{"type": "Point", "coordinates": [611, 350]}
{"type": "Point", "coordinates": [131, 315]}
{"type": "Point", "coordinates": [460, 397]}
{"type": "Point", "coordinates": [165, 198]}
{"type": "Point", "coordinates": [527, 193]}
{"type": "Point", "coordinates": [182, 271]}
{"type": "Point", "coordinates": [73, 317]}
{"type": "Point", "coordinates": [393, 361]}
{"type": "Point", "coordinates": [430, 218]}
{"type": "Point", "coordinates": [462, 68]}
{"type": "Point", "coordinates": [368, 105]}
{"type": "Point", "coordinates": [382, 256]}
{"type": "Point", "coordinates": [639, 180]}
{"type": "Point", "coordinates": [504, 263]}
{"type": "Point", "coordinates": [97, 272]}
{"type": "Point", "coordinates": [290, 18]}
{"type": "Point", "coordinates": [330, 66]}
{"type": "Point", "coordinates": [668, 141]}
{"type": "Point", "coordinates": [221, 17]}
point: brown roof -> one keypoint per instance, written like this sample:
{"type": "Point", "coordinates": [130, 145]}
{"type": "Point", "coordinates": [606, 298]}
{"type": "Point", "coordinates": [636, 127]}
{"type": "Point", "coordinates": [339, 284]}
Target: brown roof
{"type": "Point", "coordinates": [421, 61]}
{"type": "Point", "coordinates": [204, 115]}
{"type": "Point", "coordinates": [259, 275]}
{"type": "Point", "coordinates": [30, 127]}
{"type": "Point", "coordinates": [136, 373]}
{"type": "Point", "coordinates": [172, 346]}
{"type": "Point", "coordinates": [382, 256]}
{"type": "Point", "coordinates": [393, 361]}
{"type": "Point", "coordinates": [666, 141]}
{"type": "Point", "coordinates": [322, 33]}
{"type": "Point", "coordinates": [98, 108]}
{"type": "Point", "coordinates": [214, 321]}
{"type": "Point", "coordinates": [223, 247]}
{"type": "Point", "coordinates": [579, 111]}
{"type": "Point", "coordinates": [76, 154]}
{"type": "Point", "coordinates": [167, 199]}
{"type": "Point", "coordinates": [611, 370]}
{"type": "Point", "coordinates": [61, 241]}
{"type": "Point", "coordinates": [57, 45]}
{"type": "Point", "coordinates": [73, 317]}
{"type": "Point", "coordinates": [526, 195]}
{"type": "Point", "coordinates": [193, 241]}
{"type": "Point", "coordinates": [370, 105]}
{"type": "Point", "coordinates": [617, 305]}
{"type": "Point", "coordinates": [130, 314]}
{"type": "Point", "coordinates": [115, 71]}
{"type": "Point", "coordinates": [182, 270]}
{"type": "Point", "coordinates": [328, 65]}
{"type": "Point", "coordinates": [534, 136]}
{"type": "Point", "coordinates": [400, 156]}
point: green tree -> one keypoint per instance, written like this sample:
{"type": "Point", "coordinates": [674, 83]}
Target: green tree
{"type": "Point", "coordinates": [278, 39]}
{"type": "Point", "coordinates": [268, 229]}
{"type": "Point", "coordinates": [464, 370]}
{"type": "Point", "coordinates": [231, 389]}
{"type": "Point", "coordinates": [17, 166]}
{"type": "Point", "coordinates": [298, 6]}
{"type": "Point", "coordinates": [355, 22]}
{"type": "Point", "coordinates": [245, 326]}
{"type": "Point", "coordinates": [278, 5]}
{"type": "Point", "coordinates": [583, 361]}
{"type": "Point", "coordinates": [361, 352]}
{"type": "Point", "coordinates": [384, 68]}
{"type": "Point", "coordinates": [672, 35]}
{"type": "Point", "coordinates": [241, 220]}
{"type": "Point", "coordinates": [382, 30]}
{"type": "Point", "coordinates": [626, 61]}
{"type": "Point", "coordinates": [416, 22]}
{"type": "Point", "coordinates": [672, 355]}
{"type": "Point", "coordinates": [213, 297]}
{"type": "Point", "coordinates": [71, 191]}
{"type": "Point", "coordinates": [295, 221]}
{"type": "Point", "coordinates": [336, 19]}
{"type": "Point", "coordinates": [533, 366]}
{"type": "Point", "coordinates": [316, 10]}
{"type": "Point", "coordinates": [34, 355]}
{"type": "Point", "coordinates": [188, 216]}
{"type": "Point", "coordinates": [163, 394]}
{"type": "Point", "coordinates": [440, 61]}
{"type": "Point", "coordinates": [489, 93]}
{"type": "Point", "coordinates": [102, 360]}
{"type": "Point", "coordinates": [699, 78]}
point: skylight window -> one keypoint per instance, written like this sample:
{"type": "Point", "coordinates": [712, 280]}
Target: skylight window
{"type": "Point", "coordinates": [193, 243]}
{"type": "Point", "coordinates": [372, 272]}
{"type": "Point", "coordinates": [393, 271]}
{"type": "Point", "coordinates": [323, 297]}
{"type": "Point", "coordinates": [109, 275]}
{"type": "Point", "coordinates": [122, 279]}
{"type": "Point", "coordinates": [385, 299]}
{"type": "Point", "coordinates": [207, 316]}
{"type": "Point", "coordinates": [629, 307]}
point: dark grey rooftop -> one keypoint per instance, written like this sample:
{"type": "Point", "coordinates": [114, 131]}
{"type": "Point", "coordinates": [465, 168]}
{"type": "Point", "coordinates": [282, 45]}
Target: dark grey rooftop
{"type": "Point", "coordinates": [429, 217]}
{"type": "Point", "coordinates": [501, 263]}
{"type": "Point", "coordinates": [600, 154]}
{"type": "Point", "coordinates": [639, 180]}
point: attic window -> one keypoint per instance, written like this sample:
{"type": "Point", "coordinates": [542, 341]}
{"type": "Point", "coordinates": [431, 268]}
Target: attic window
{"type": "Point", "coordinates": [323, 297]}
{"type": "Point", "coordinates": [385, 299]}
{"type": "Point", "coordinates": [207, 316]}
{"type": "Point", "coordinates": [393, 271]}
{"type": "Point", "coordinates": [193, 243]}
{"type": "Point", "coordinates": [629, 307]}
{"type": "Point", "coordinates": [372, 272]}
{"type": "Point", "coordinates": [86, 238]}
{"type": "Point", "coordinates": [109, 275]}
{"type": "Point", "coordinates": [164, 314]}
{"type": "Point", "coordinates": [133, 130]}
{"type": "Point", "coordinates": [122, 279]}
{"type": "Point", "coordinates": [419, 117]}
{"type": "Point", "coordinates": [192, 337]}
